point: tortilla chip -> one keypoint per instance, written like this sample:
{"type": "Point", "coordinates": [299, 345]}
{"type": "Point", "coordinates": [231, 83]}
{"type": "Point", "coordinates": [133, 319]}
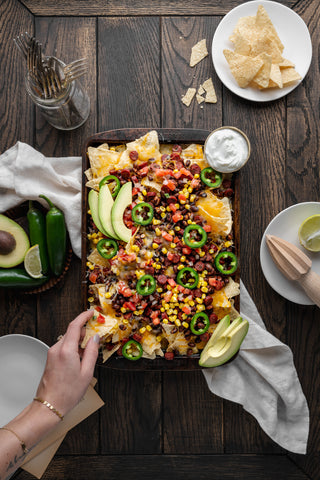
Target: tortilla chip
{"type": "Point", "coordinates": [262, 77]}
{"type": "Point", "coordinates": [232, 288]}
{"type": "Point", "coordinates": [97, 259]}
{"type": "Point", "coordinates": [275, 77]}
{"type": "Point", "coordinates": [198, 52]}
{"type": "Point", "coordinates": [106, 354]}
{"type": "Point", "coordinates": [201, 90]}
{"type": "Point", "coordinates": [242, 67]}
{"type": "Point", "coordinates": [246, 27]}
{"type": "Point", "coordinates": [103, 329]}
{"type": "Point", "coordinates": [263, 21]}
{"type": "Point", "coordinates": [146, 146]}
{"type": "Point", "coordinates": [241, 45]}
{"type": "Point", "coordinates": [188, 97]}
{"type": "Point", "coordinates": [217, 213]}
{"type": "Point", "coordinates": [102, 161]}
{"type": "Point", "coordinates": [265, 44]}
{"type": "Point", "coordinates": [209, 88]}
{"type": "Point", "coordinates": [289, 76]}
{"type": "Point", "coordinates": [286, 63]}
{"type": "Point", "coordinates": [199, 98]}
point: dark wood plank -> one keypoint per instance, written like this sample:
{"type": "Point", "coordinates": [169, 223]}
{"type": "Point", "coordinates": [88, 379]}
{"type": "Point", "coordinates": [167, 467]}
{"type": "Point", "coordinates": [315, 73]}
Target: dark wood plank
{"type": "Point", "coordinates": [172, 467]}
{"type": "Point", "coordinates": [192, 415]}
{"type": "Point", "coordinates": [303, 185]}
{"type": "Point", "coordinates": [128, 63]}
{"type": "Point", "coordinates": [128, 96]}
{"type": "Point", "coordinates": [68, 39]}
{"type": "Point", "coordinates": [16, 123]}
{"type": "Point", "coordinates": [137, 7]}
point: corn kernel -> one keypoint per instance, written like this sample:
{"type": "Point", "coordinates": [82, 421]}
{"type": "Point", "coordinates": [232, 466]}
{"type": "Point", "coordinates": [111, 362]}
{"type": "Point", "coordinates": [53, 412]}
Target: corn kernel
{"type": "Point", "coordinates": [202, 254]}
{"type": "Point", "coordinates": [166, 306]}
{"type": "Point", "coordinates": [177, 205]}
{"type": "Point", "coordinates": [175, 171]}
{"type": "Point", "coordinates": [165, 321]}
{"type": "Point", "coordinates": [170, 311]}
{"type": "Point", "coordinates": [144, 192]}
{"type": "Point", "coordinates": [90, 299]}
{"type": "Point", "coordinates": [155, 221]}
{"type": "Point", "coordinates": [192, 198]}
{"type": "Point", "coordinates": [196, 175]}
{"type": "Point", "coordinates": [142, 329]}
{"type": "Point", "coordinates": [95, 240]}
{"type": "Point", "coordinates": [159, 338]}
{"type": "Point", "coordinates": [107, 295]}
{"type": "Point", "coordinates": [180, 267]}
{"type": "Point", "coordinates": [168, 209]}
{"type": "Point", "coordinates": [149, 255]}
{"type": "Point", "coordinates": [89, 236]}
{"type": "Point", "coordinates": [187, 206]}
{"type": "Point", "coordinates": [162, 208]}
{"type": "Point", "coordinates": [199, 300]}
{"type": "Point", "coordinates": [177, 228]}
{"type": "Point", "coordinates": [155, 246]}
{"type": "Point", "coordinates": [189, 222]}
{"type": "Point", "coordinates": [190, 189]}
{"type": "Point", "coordinates": [211, 250]}
{"type": "Point", "coordinates": [204, 289]}
{"type": "Point", "coordinates": [200, 308]}
{"type": "Point", "coordinates": [174, 299]}
{"type": "Point", "coordinates": [228, 244]}
{"type": "Point", "coordinates": [91, 267]}
{"type": "Point", "coordinates": [182, 202]}
{"type": "Point", "coordinates": [162, 215]}
{"type": "Point", "coordinates": [192, 304]}
{"type": "Point", "coordinates": [183, 258]}
{"type": "Point", "coordinates": [135, 248]}
{"type": "Point", "coordinates": [158, 266]}
{"type": "Point", "coordinates": [123, 310]}
{"type": "Point", "coordinates": [149, 328]}
{"type": "Point", "coordinates": [185, 324]}
{"type": "Point", "coordinates": [162, 309]}
{"type": "Point", "coordinates": [177, 322]}
{"type": "Point", "coordinates": [89, 212]}
{"type": "Point", "coordinates": [125, 321]}
{"type": "Point", "coordinates": [173, 245]}
{"type": "Point", "coordinates": [164, 250]}
{"type": "Point", "coordinates": [184, 316]}
{"type": "Point", "coordinates": [159, 290]}
{"type": "Point", "coordinates": [136, 312]}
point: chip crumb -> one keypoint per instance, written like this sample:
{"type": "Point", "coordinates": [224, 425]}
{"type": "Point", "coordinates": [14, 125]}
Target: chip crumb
{"type": "Point", "coordinates": [199, 98]}
{"type": "Point", "coordinates": [211, 96]}
{"type": "Point", "coordinates": [188, 97]}
{"type": "Point", "coordinates": [201, 90]}
{"type": "Point", "coordinates": [198, 52]}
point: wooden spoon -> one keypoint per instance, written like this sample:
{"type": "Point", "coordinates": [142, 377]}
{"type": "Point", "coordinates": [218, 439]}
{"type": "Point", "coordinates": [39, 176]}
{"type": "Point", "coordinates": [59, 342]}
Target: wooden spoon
{"type": "Point", "coordinates": [295, 265]}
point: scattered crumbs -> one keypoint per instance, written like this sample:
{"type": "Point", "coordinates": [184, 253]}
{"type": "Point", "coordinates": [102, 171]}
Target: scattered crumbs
{"type": "Point", "coordinates": [188, 97]}
{"type": "Point", "coordinates": [211, 96]}
{"type": "Point", "coordinates": [200, 98]}
{"type": "Point", "coordinates": [198, 52]}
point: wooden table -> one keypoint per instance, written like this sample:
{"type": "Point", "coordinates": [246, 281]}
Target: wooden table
{"type": "Point", "coordinates": [167, 424]}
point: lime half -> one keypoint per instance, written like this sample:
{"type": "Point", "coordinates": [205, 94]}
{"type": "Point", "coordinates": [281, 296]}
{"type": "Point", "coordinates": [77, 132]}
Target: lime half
{"type": "Point", "coordinates": [309, 233]}
{"type": "Point", "coordinates": [32, 262]}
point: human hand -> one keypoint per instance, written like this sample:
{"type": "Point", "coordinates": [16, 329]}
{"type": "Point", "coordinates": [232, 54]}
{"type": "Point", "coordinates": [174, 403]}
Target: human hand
{"type": "Point", "coordinates": [67, 375]}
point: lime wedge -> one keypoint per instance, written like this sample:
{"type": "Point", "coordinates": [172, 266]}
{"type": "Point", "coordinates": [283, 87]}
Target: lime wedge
{"type": "Point", "coordinates": [309, 233]}
{"type": "Point", "coordinates": [32, 262]}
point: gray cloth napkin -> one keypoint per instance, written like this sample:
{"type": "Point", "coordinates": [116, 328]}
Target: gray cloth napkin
{"type": "Point", "coordinates": [262, 378]}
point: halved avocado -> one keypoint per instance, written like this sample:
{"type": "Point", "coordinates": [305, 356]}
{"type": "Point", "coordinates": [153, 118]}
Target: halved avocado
{"type": "Point", "coordinates": [93, 199]}
{"type": "Point", "coordinates": [227, 344]}
{"type": "Point", "coordinates": [105, 204]}
{"type": "Point", "coordinates": [222, 327]}
{"type": "Point", "coordinates": [14, 243]}
{"type": "Point", "coordinates": [123, 200]}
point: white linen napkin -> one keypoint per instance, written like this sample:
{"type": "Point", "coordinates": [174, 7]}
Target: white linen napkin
{"type": "Point", "coordinates": [262, 378]}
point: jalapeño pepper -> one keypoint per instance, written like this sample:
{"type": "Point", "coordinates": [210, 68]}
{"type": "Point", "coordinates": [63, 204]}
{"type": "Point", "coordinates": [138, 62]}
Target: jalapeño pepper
{"type": "Point", "coordinates": [191, 236]}
{"type": "Point", "coordinates": [199, 323]}
{"type": "Point", "coordinates": [142, 213]}
{"type": "Point", "coordinates": [132, 350]}
{"type": "Point", "coordinates": [226, 263]}
{"type": "Point", "coordinates": [146, 285]}
{"type": "Point", "coordinates": [111, 179]}
{"type": "Point", "coordinates": [107, 247]}
{"type": "Point", "coordinates": [37, 231]}
{"type": "Point", "coordinates": [211, 178]}
{"type": "Point", "coordinates": [188, 277]}
{"type": "Point", "coordinates": [56, 238]}
{"type": "Point", "coordinates": [18, 278]}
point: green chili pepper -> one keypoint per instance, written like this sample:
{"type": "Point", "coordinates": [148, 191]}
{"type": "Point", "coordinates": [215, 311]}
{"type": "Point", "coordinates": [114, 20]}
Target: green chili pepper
{"type": "Point", "coordinates": [211, 178]}
{"type": "Point", "coordinates": [56, 237]}
{"type": "Point", "coordinates": [226, 263]}
{"type": "Point", "coordinates": [188, 277]}
{"type": "Point", "coordinates": [107, 247]}
{"type": "Point", "coordinates": [37, 233]}
{"type": "Point", "coordinates": [191, 234]}
{"type": "Point", "coordinates": [146, 285]}
{"type": "Point", "coordinates": [111, 179]}
{"type": "Point", "coordinates": [132, 350]}
{"type": "Point", "coordinates": [199, 323]}
{"type": "Point", "coordinates": [18, 278]}
{"type": "Point", "coordinates": [142, 213]}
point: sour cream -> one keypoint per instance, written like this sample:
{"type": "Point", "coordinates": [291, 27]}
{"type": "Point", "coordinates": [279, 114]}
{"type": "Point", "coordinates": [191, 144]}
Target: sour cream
{"type": "Point", "coordinates": [227, 149]}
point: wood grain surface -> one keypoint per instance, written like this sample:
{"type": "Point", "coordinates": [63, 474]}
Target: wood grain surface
{"type": "Point", "coordinates": [167, 424]}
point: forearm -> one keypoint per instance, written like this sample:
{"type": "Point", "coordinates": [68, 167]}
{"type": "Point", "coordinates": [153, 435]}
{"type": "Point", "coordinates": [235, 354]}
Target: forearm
{"type": "Point", "coordinates": [31, 425]}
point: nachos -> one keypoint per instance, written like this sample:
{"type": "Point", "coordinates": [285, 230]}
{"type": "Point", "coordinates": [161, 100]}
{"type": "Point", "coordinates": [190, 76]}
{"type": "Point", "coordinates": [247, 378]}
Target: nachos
{"type": "Point", "coordinates": [162, 291]}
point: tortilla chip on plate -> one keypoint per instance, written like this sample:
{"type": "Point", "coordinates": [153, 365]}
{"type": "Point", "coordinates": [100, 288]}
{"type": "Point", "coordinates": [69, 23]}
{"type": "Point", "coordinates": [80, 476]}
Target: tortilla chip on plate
{"type": "Point", "coordinates": [289, 75]}
{"type": "Point", "coordinates": [242, 67]}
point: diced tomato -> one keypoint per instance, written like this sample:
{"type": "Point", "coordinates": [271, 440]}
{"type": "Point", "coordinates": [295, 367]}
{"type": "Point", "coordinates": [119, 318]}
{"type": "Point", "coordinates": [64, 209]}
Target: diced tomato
{"type": "Point", "coordinates": [186, 250]}
{"type": "Point", "coordinates": [93, 277]}
{"type": "Point", "coordinates": [143, 305]}
{"type": "Point", "coordinates": [177, 216]}
{"type": "Point", "coordinates": [170, 256]}
{"type": "Point", "coordinates": [124, 289]}
{"type": "Point", "coordinates": [167, 296]}
{"type": "Point", "coordinates": [135, 298]}
{"type": "Point", "coordinates": [134, 229]}
{"type": "Point", "coordinates": [101, 319]}
{"type": "Point", "coordinates": [177, 175]}
{"type": "Point", "coordinates": [170, 184]}
{"type": "Point", "coordinates": [154, 314]}
{"type": "Point", "coordinates": [216, 282]}
{"type": "Point", "coordinates": [156, 321]}
{"type": "Point", "coordinates": [186, 172]}
{"type": "Point", "coordinates": [135, 191]}
{"type": "Point", "coordinates": [167, 236]}
{"type": "Point", "coordinates": [176, 240]}
{"type": "Point", "coordinates": [186, 309]}
{"type": "Point", "coordinates": [172, 207]}
{"type": "Point", "coordinates": [181, 288]}
{"type": "Point", "coordinates": [144, 171]}
{"type": "Point", "coordinates": [130, 306]}
{"type": "Point", "coordinates": [194, 183]}
{"type": "Point", "coordinates": [98, 308]}
{"type": "Point", "coordinates": [182, 197]}
{"type": "Point", "coordinates": [171, 282]}
{"type": "Point", "coordinates": [162, 172]}
{"type": "Point", "coordinates": [207, 228]}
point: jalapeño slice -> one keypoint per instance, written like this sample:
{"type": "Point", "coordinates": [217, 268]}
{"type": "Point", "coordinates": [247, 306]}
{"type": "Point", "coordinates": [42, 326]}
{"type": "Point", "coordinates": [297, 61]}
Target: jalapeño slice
{"type": "Point", "coordinates": [142, 213]}
{"type": "Point", "coordinates": [195, 236]}
{"type": "Point", "coordinates": [187, 277]}
{"type": "Point", "coordinates": [146, 285]}
{"type": "Point", "coordinates": [107, 247]}
{"type": "Point", "coordinates": [110, 179]}
{"type": "Point", "coordinates": [211, 178]}
{"type": "Point", "coordinates": [199, 323]}
{"type": "Point", "coordinates": [132, 350]}
{"type": "Point", "coordinates": [226, 263]}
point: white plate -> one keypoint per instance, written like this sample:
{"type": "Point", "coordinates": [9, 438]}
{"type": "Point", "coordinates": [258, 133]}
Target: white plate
{"type": "Point", "coordinates": [286, 225]}
{"type": "Point", "coordinates": [292, 31]}
{"type": "Point", "coordinates": [22, 361]}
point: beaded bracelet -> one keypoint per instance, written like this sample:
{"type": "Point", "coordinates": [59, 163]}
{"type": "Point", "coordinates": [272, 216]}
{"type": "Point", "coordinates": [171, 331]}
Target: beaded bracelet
{"type": "Point", "coordinates": [23, 445]}
{"type": "Point", "coordinates": [51, 407]}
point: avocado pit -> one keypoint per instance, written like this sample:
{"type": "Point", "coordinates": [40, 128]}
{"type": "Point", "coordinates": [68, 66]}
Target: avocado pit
{"type": "Point", "coordinates": [7, 242]}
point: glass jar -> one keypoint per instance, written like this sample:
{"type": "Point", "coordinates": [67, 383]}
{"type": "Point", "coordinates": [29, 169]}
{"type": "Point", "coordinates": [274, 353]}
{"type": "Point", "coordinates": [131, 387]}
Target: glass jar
{"type": "Point", "coordinates": [66, 111]}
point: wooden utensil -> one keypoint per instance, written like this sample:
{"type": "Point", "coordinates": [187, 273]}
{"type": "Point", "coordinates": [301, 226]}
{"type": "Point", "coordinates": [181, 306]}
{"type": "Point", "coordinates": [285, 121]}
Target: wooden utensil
{"type": "Point", "coordinates": [295, 265]}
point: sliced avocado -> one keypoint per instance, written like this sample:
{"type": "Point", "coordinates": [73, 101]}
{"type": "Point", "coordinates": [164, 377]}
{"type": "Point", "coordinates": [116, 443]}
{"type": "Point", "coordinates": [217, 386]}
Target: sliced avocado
{"type": "Point", "coordinates": [123, 200]}
{"type": "Point", "coordinates": [93, 199]}
{"type": "Point", "coordinates": [222, 327]}
{"type": "Point", "coordinates": [105, 204]}
{"type": "Point", "coordinates": [227, 344]}
{"type": "Point", "coordinates": [14, 243]}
